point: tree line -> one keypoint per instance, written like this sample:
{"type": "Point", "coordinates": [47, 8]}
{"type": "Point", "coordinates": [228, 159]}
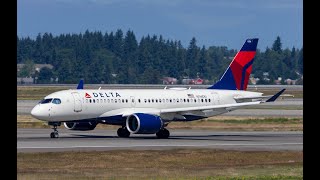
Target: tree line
{"type": "Point", "coordinates": [120, 58]}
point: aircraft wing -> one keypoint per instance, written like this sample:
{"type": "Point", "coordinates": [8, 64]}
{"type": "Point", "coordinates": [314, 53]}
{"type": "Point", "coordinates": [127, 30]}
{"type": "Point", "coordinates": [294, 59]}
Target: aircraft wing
{"type": "Point", "coordinates": [202, 108]}
{"type": "Point", "coordinates": [171, 113]}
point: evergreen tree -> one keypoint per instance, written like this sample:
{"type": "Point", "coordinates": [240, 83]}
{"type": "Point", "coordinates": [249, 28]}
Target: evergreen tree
{"type": "Point", "coordinates": [45, 76]}
{"type": "Point", "coordinates": [192, 58]}
{"type": "Point", "coordinates": [112, 58]}
{"type": "Point", "coordinates": [27, 70]}
{"type": "Point", "coordinates": [277, 45]}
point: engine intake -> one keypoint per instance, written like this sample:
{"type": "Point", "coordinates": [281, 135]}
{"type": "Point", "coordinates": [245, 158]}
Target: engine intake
{"type": "Point", "coordinates": [80, 126]}
{"type": "Point", "coordinates": [140, 123]}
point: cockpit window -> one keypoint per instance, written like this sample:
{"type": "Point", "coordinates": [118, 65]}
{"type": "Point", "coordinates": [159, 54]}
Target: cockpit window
{"type": "Point", "coordinates": [56, 101]}
{"type": "Point", "coordinates": [45, 101]}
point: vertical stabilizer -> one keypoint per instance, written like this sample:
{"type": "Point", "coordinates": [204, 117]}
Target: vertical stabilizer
{"type": "Point", "coordinates": [236, 77]}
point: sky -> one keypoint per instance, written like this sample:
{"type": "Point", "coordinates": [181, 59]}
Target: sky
{"type": "Point", "coordinates": [212, 22]}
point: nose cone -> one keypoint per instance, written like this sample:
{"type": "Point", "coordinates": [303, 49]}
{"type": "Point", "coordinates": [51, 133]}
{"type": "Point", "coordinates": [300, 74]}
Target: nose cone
{"type": "Point", "coordinates": [37, 113]}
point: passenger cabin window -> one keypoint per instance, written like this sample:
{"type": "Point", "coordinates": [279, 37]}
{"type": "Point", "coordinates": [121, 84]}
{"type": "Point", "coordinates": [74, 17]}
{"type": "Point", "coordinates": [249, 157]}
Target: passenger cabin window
{"type": "Point", "coordinates": [45, 101]}
{"type": "Point", "coordinates": [56, 101]}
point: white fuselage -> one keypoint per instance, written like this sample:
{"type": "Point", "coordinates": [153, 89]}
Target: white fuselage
{"type": "Point", "coordinates": [85, 104]}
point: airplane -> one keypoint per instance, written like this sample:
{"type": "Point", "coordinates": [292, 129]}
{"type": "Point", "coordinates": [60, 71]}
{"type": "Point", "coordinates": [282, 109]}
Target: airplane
{"type": "Point", "coordinates": [149, 111]}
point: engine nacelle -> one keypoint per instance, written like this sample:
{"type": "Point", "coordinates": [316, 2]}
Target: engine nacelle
{"type": "Point", "coordinates": [80, 126]}
{"type": "Point", "coordinates": [140, 123]}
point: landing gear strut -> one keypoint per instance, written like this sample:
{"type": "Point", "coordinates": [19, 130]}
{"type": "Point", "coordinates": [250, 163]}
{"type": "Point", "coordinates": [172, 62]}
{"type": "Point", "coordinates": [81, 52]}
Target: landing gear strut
{"type": "Point", "coordinates": [55, 133]}
{"type": "Point", "coordinates": [123, 132]}
{"type": "Point", "coordinates": [163, 134]}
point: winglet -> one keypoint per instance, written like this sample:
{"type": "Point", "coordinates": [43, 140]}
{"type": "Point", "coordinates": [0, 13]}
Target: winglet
{"type": "Point", "coordinates": [80, 85]}
{"type": "Point", "coordinates": [274, 97]}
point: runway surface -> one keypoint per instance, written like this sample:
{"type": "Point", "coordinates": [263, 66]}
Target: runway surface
{"type": "Point", "coordinates": [38, 140]}
{"type": "Point", "coordinates": [24, 107]}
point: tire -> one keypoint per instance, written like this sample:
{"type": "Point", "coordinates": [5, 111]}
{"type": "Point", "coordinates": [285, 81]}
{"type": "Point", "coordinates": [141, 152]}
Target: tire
{"type": "Point", "coordinates": [163, 134]}
{"type": "Point", "coordinates": [123, 132]}
{"type": "Point", "coordinates": [52, 135]}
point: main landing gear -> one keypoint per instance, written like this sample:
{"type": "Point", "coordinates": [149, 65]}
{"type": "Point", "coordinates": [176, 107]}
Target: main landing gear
{"type": "Point", "coordinates": [55, 133]}
{"type": "Point", "coordinates": [123, 132]}
{"type": "Point", "coordinates": [163, 134]}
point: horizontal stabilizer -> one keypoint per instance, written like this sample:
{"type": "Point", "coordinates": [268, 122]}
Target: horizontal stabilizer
{"type": "Point", "coordinates": [274, 97]}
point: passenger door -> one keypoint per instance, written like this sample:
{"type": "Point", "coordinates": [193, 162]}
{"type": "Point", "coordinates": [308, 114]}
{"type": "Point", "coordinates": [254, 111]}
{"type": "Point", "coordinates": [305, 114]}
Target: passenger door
{"type": "Point", "coordinates": [77, 102]}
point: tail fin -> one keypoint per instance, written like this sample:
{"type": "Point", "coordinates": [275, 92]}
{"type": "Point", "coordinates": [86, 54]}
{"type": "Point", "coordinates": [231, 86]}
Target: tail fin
{"type": "Point", "coordinates": [237, 75]}
{"type": "Point", "coordinates": [80, 85]}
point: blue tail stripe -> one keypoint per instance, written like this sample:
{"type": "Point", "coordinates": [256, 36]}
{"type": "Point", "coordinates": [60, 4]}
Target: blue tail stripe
{"type": "Point", "coordinates": [227, 82]}
{"type": "Point", "coordinates": [244, 72]}
{"type": "Point", "coordinates": [250, 45]}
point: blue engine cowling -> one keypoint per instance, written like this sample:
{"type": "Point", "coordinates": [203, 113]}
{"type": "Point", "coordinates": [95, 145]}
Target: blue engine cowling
{"type": "Point", "coordinates": [80, 126]}
{"type": "Point", "coordinates": [140, 123]}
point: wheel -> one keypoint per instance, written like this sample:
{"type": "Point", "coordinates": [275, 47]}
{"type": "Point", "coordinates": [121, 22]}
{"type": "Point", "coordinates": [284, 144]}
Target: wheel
{"type": "Point", "coordinates": [52, 135]}
{"type": "Point", "coordinates": [163, 134]}
{"type": "Point", "coordinates": [56, 134]}
{"type": "Point", "coordinates": [123, 132]}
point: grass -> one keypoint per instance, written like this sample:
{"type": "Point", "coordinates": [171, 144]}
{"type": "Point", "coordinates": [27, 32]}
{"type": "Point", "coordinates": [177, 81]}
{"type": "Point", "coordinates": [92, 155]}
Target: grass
{"type": "Point", "coordinates": [263, 121]}
{"type": "Point", "coordinates": [35, 93]}
{"type": "Point", "coordinates": [295, 93]}
{"type": "Point", "coordinates": [243, 124]}
{"type": "Point", "coordinates": [289, 107]}
{"type": "Point", "coordinates": [164, 164]}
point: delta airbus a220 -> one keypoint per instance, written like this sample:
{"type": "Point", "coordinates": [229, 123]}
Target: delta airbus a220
{"type": "Point", "coordinates": [149, 111]}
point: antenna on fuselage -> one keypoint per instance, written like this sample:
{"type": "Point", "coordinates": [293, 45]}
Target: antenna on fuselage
{"type": "Point", "coordinates": [99, 87]}
{"type": "Point", "coordinates": [165, 87]}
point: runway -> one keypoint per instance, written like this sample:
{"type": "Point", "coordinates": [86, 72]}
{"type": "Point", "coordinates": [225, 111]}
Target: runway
{"type": "Point", "coordinates": [38, 140]}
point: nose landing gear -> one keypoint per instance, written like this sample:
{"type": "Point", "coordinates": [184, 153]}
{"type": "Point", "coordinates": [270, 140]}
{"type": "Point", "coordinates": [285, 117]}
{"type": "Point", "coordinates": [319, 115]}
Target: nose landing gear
{"type": "Point", "coordinates": [55, 133]}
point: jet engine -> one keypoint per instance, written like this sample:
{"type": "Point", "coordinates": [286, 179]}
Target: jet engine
{"type": "Point", "coordinates": [141, 123]}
